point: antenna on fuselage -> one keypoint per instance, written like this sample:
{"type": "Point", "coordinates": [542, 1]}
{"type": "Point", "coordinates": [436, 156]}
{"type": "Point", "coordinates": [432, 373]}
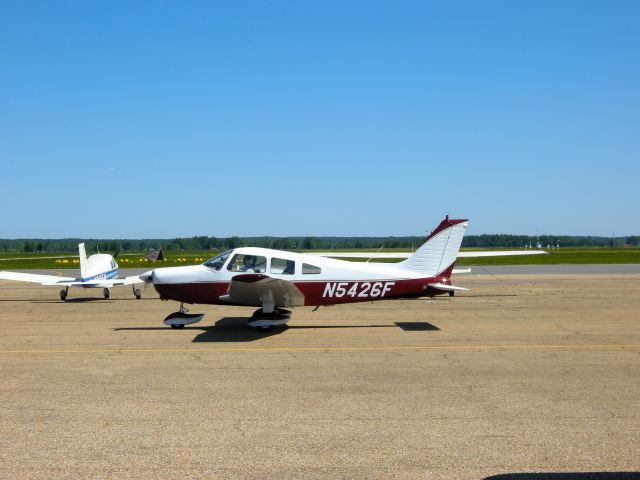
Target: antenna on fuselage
{"type": "Point", "coordinates": [375, 254]}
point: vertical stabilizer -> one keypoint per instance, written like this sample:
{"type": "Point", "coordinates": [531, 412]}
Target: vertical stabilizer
{"type": "Point", "coordinates": [83, 260]}
{"type": "Point", "coordinates": [438, 253]}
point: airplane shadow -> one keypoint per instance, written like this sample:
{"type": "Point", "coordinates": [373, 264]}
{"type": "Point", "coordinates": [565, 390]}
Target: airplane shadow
{"type": "Point", "coordinates": [82, 300]}
{"type": "Point", "coordinates": [567, 476]}
{"type": "Point", "coordinates": [74, 300]}
{"type": "Point", "coordinates": [235, 329]}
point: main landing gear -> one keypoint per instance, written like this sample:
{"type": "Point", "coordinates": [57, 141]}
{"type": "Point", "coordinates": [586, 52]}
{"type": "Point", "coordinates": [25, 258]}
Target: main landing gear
{"type": "Point", "coordinates": [267, 318]}
{"type": "Point", "coordinates": [63, 294]}
{"type": "Point", "coordinates": [267, 321]}
{"type": "Point", "coordinates": [137, 292]}
{"type": "Point", "coordinates": [181, 318]}
{"type": "Point", "coordinates": [106, 292]}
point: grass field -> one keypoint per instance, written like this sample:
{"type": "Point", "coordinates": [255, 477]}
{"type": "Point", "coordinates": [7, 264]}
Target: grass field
{"type": "Point", "coordinates": [25, 261]}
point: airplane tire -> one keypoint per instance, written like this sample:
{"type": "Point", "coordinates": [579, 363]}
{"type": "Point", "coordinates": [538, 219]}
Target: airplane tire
{"type": "Point", "coordinates": [177, 325]}
{"type": "Point", "coordinates": [63, 295]}
{"type": "Point", "coordinates": [452, 293]}
{"type": "Point", "coordinates": [105, 293]}
{"type": "Point", "coordinates": [138, 294]}
{"type": "Point", "coordinates": [266, 328]}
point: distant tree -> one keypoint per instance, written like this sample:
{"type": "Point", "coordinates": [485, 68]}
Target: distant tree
{"type": "Point", "coordinates": [310, 243]}
{"type": "Point", "coordinates": [29, 247]}
{"type": "Point", "coordinates": [234, 242]}
{"type": "Point", "coordinates": [282, 244]}
{"type": "Point", "coordinates": [633, 241]}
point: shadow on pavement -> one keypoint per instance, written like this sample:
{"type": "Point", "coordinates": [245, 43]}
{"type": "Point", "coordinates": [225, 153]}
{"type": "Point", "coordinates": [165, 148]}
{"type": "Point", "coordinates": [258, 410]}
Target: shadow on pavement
{"type": "Point", "coordinates": [235, 329]}
{"type": "Point", "coordinates": [567, 476]}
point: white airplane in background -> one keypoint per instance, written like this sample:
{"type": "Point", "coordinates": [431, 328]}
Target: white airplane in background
{"type": "Point", "coordinates": [274, 280]}
{"type": "Point", "coordinates": [97, 271]}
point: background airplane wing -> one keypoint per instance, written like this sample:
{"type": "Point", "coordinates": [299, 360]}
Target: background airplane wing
{"type": "Point", "coordinates": [250, 289]}
{"type": "Point", "coordinates": [130, 280]}
{"type": "Point", "coordinates": [105, 283]}
{"type": "Point", "coordinates": [36, 278]}
{"type": "Point", "coordinates": [53, 280]}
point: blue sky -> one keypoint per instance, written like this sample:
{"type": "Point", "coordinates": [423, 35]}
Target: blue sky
{"type": "Point", "coordinates": [163, 119]}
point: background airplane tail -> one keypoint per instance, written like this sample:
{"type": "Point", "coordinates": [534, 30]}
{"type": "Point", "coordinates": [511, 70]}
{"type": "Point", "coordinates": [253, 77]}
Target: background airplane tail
{"type": "Point", "coordinates": [437, 255]}
{"type": "Point", "coordinates": [83, 260]}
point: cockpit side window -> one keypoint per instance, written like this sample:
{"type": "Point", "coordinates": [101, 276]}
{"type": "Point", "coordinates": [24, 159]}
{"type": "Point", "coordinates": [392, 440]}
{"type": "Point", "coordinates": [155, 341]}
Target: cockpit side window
{"type": "Point", "coordinates": [282, 266]}
{"type": "Point", "coordinates": [310, 269]}
{"type": "Point", "coordinates": [248, 263]}
{"type": "Point", "coordinates": [217, 262]}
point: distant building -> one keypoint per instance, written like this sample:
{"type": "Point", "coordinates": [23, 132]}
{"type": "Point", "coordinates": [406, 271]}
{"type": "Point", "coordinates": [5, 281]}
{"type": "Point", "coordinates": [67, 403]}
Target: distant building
{"type": "Point", "coordinates": [155, 255]}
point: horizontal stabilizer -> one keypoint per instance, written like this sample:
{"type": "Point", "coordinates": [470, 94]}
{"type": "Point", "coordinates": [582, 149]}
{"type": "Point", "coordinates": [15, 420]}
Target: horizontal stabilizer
{"type": "Point", "coordinates": [461, 270]}
{"type": "Point", "coordinates": [447, 288]}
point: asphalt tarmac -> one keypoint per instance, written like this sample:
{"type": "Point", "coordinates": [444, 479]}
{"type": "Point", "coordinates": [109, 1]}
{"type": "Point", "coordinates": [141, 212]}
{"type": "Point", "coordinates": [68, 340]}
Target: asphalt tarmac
{"type": "Point", "coordinates": [523, 374]}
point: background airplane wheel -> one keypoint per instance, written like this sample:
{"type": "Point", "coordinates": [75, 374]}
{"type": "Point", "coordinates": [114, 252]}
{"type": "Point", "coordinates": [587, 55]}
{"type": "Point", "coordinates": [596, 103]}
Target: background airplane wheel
{"type": "Point", "coordinates": [106, 293]}
{"type": "Point", "coordinates": [63, 295]}
{"type": "Point", "coordinates": [177, 325]}
{"type": "Point", "coordinates": [137, 293]}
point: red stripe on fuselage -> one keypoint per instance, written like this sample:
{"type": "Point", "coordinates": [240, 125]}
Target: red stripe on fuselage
{"type": "Point", "coordinates": [315, 292]}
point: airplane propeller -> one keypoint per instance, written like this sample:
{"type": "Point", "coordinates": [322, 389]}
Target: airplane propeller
{"type": "Point", "coordinates": [147, 278]}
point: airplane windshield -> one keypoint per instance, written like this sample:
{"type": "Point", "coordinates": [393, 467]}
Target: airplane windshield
{"type": "Point", "coordinates": [216, 263]}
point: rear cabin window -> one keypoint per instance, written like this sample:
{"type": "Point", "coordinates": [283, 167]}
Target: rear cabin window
{"type": "Point", "coordinates": [310, 269]}
{"type": "Point", "coordinates": [282, 266]}
{"type": "Point", "coordinates": [248, 264]}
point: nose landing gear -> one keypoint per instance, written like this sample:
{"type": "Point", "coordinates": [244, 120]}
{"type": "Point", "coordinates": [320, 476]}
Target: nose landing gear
{"type": "Point", "coordinates": [181, 318]}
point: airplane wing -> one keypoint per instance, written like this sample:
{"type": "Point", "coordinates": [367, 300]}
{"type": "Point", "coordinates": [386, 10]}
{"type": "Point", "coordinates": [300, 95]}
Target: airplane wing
{"type": "Point", "coordinates": [399, 255]}
{"type": "Point", "coordinates": [500, 253]}
{"type": "Point", "coordinates": [372, 255]}
{"type": "Point", "coordinates": [56, 280]}
{"type": "Point", "coordinates": [36, 278]}
{"type": "Point", "coordinates": [250, 289]}
{"type": "Point", "coordinates": [130, 280]}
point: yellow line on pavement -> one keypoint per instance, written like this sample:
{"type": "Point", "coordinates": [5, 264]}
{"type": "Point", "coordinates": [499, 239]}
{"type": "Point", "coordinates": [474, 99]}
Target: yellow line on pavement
{"type": "Point", "coordinates": [332, 349]}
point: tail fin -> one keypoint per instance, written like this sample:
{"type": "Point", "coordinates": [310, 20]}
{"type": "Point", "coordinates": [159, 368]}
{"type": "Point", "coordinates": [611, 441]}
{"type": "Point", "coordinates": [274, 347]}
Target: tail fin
{"type": "Point", "coordinates": [438, 253]}
{"type": "Point", "coordinates": [83, 260]}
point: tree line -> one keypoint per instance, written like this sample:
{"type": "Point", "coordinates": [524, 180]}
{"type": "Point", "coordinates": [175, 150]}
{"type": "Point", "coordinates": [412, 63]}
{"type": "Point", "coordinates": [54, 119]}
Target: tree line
{"type": "Point", "coordinates": [204, 242]}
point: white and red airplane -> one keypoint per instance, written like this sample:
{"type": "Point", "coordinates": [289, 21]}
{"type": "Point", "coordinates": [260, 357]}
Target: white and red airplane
{"type": "Point", "coordinates": [275, 280]}
{"type": "Point", "coordinates": [96, 271]}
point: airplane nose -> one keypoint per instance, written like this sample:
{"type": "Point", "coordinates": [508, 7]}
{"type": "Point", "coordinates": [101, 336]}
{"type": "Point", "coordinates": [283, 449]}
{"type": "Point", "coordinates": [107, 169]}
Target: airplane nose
{"type": "Point", "coordinates": [173, 275]}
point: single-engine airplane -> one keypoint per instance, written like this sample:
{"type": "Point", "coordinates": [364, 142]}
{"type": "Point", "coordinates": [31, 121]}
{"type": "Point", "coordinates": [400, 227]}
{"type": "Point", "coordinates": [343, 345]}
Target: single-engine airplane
{"type": "Point", "coordinates": [96, 271]}
{"type": "Point", "coordinates": [275, 280]}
